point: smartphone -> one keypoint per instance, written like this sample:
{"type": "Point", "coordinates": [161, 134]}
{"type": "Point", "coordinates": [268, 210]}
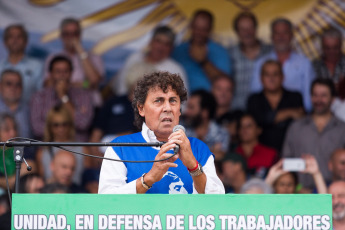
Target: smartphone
{"type": "Point", "coordinates": [293, 164]}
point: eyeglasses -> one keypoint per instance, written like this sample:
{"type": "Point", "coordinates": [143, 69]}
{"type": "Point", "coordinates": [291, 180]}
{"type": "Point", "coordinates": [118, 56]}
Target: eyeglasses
{"type": "Point", "coordinates": [13, 84]}
{"type": "Point", "coordinates": [60, 124]}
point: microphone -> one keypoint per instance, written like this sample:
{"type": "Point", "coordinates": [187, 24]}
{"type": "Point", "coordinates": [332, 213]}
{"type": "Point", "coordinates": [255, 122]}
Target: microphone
{"type": "Point", "coordinates": [28, 167]}
{"type": "Point", "coordinates": [175, 129]}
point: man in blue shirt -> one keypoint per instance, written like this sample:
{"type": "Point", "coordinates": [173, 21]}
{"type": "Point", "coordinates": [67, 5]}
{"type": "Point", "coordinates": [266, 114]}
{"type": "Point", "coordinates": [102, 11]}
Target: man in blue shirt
{"type": "Point", "coordinates": [203, 59]}
{"type": "Point", "coordinates": [297, 68]}
{"type": "Point", "coordinates": [11, 88]}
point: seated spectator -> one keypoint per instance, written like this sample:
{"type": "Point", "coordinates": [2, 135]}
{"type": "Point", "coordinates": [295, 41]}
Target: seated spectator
{"type": "Point", "coordinates": [203, 59]}
{"type": "Point", "coordinates": [115, 118]}
{"type": "Point", "coordinates": [274, 107]}
{"type": "Point", "coordinates": [259, 157]}
{"type": "Point", "coordinates": [337, 189]}
{"type": "Point", "coordinates": [298, 70]}
{"type": "Point", "coordinates": [284, 182]}
{"type": "Point", "coordinates": [198, 118]}
{"type": "Point", "coordinates": [338, 105]}
{"type": "Point", "coordinates": [63, 167]}
{"type": "Point", "coordinates": [336, 165]}
{"type": "Point", "coordinates": [155, 58]}
{"type": "Point", "coordinates": [8, 130]}
{"type": "Point", "coordinates": [59, 127]}
{"type": "Point", "coordinates": [234, 174]}
{"type": "Point", "coordinates": [62, 92]}
{"type": "Point", "coordinates": [31, 183]}
{"type": "Point", "coordinates": [15, 41]}
{"type": "Point", "coordinates": [256, 186]}
{"type": "Point", "coordinates": [331, 64]}
{"type": "Point", "coordinates": [88, 69]}
{"type": "Point", "coordinates": [11, 89]}
{"type": "Point", "coordinates": [222, 90]}
{"type": "Point", "coordinates": [244, 54]}
{"type": "Point", "coordinates": [318, 134]}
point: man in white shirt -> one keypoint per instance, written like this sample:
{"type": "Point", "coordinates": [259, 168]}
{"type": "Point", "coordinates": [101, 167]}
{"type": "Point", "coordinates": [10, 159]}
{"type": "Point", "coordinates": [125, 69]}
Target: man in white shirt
{"type": "Point", "coordinates": [157, 103]}
{"type": "Point", "coordinates": [155, 58]}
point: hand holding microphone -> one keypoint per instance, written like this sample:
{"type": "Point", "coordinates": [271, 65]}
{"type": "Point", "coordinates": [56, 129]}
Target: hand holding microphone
{"type": "Point", "coordinates": [182, 146]}
{"type": "Point", "coordinates": [175, 129]}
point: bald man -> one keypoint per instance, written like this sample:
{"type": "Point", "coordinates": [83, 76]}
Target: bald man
{"type": "Point", "coordinates": [63, 167]}
{"type": "Point", "coordinates": [336, 165]}
{"type": "Point", "coordinates": [337, 189]}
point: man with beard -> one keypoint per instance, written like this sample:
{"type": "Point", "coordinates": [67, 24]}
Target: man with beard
{"type": "Point", "coordinates": [198, 118]}
{"type": "Point", "coordinates": [337, 189]}
{"type": "Point", "coordinates": [318, 134]}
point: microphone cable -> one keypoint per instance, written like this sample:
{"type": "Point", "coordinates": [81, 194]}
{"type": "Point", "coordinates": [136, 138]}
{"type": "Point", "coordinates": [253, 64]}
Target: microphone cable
{"type": "Point", "coordinates": [68, 150]}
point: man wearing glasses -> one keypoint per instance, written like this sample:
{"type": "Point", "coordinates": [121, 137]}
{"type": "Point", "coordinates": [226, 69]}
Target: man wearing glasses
{"type": "Point", "coordinates": [11, 90]}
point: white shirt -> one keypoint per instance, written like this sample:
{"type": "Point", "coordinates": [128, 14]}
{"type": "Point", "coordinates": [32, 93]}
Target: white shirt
{"type": "Point", "coordinates": [338, 109]}
{"type": "Point", "coordinates": [136, 65]}
{"type": "Point", "coordinates": [113, 174]}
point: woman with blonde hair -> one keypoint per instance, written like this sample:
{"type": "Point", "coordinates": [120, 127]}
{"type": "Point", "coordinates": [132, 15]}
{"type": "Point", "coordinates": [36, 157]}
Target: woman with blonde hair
{"type": "Point", "coordinates": [60, 127]}
{"type": "Point", "coordinates": [8, 130]}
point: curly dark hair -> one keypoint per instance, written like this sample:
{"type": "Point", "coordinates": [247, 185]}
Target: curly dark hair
{"type": "Point", "coordinates": [161, 80]}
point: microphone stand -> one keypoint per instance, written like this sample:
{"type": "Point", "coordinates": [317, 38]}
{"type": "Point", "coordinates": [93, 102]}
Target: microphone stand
{"type": "Point", "coordinates": [18, 150]}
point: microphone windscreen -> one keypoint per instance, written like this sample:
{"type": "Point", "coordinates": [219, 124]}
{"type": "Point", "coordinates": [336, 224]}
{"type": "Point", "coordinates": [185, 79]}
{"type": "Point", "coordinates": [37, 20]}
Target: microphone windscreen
{"type": "Point", "coordinates": [179, 127]}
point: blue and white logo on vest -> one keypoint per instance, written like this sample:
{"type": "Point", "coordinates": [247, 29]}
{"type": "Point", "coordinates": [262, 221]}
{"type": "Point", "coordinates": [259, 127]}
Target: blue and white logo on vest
{"type": "Point", "coordinates": [176, 186]}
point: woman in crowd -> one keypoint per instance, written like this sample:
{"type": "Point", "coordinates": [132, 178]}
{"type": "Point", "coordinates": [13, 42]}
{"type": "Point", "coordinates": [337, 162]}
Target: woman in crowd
{"type": "Point", "coordinates": [259, 158]}
{"type": "Point", "coordinates": [59, 127]}
{"type": "Point", "coordinates": [8, 130]}
{"type": "Point", "coordinates": [285, 182]}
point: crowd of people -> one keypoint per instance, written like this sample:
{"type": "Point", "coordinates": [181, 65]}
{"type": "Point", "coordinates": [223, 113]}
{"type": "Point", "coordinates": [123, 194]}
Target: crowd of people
{"type": "Point", "coordinates": [253, 105]}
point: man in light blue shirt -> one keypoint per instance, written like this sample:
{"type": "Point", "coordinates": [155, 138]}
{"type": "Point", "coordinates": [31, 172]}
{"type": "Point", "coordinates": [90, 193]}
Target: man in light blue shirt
{"type": "Point", "coordinates": [11, 88]}
{"type": "Point", "coordinates": [15, 39]}
{"type": "Point", "coordinates": [203, 59]}
{"type": "Point", "coordinates": [297, 68]}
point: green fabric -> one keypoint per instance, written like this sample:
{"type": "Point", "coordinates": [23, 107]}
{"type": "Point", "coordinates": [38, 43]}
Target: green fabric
{"type": "Point", "coordinates": [9, 161]}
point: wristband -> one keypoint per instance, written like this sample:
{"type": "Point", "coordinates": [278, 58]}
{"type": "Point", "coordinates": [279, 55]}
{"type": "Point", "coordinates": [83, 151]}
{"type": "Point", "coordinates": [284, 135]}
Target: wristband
{"type": "Point", "coordinates": [197, 172]}
{"type": "Point", "coordinates": [146, 186]}
{"type": "Point", "coordinates": [191, 170]}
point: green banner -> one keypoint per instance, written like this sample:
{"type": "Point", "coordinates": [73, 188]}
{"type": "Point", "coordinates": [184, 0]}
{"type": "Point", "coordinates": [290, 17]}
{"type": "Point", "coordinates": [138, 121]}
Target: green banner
{"type": "Point", "coordinates": [230, 211]}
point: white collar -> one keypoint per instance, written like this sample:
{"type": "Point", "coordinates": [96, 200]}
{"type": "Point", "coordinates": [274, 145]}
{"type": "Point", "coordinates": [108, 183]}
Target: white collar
{"type": "Point", "coordinates": [148, 134]}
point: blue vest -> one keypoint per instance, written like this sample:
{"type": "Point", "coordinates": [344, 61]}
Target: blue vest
{"type": "Point", "coordinates": [176, 180]}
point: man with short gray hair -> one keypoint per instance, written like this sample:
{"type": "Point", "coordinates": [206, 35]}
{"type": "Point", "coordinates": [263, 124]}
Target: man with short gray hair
{"type": "Point", "coordinates": [337, 189]}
